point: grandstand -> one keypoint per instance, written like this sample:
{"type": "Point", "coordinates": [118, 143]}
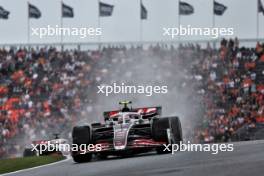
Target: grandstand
{"type": "Point", "coordinates": [45, 90]}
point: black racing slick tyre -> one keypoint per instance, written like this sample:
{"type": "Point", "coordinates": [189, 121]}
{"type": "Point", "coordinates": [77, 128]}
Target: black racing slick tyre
{"type": "Point", "coordinates": [81, 135]}
{"type": "Point", "coordinates": [81, 158]}
{"type": "Point", "coordinates": [159, 131]}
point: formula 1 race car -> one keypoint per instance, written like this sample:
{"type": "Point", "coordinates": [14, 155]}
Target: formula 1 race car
{"type": "Point", "coordinates": [43, 147]}
{"type": "Point", "coordinates": [127, 132]}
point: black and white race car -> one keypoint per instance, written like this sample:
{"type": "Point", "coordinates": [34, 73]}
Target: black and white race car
{"type": "Point", "coordinates": [127, 132]}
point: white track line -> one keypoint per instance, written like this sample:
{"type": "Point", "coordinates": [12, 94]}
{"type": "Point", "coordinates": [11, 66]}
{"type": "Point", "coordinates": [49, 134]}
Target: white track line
{"type": "Point", "coordinates": [32, 168]}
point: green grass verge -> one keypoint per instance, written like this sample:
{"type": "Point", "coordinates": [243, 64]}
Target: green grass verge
{"type": "Point", "coordinates": [14, 164]}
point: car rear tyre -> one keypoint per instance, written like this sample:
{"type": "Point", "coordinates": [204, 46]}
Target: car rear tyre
{"type": "Point", "coordinates": [81, 135]}
{"type": "Point", "coordinates": [159, 131]}
{"type": "Point", "coordinates": [81, 158]}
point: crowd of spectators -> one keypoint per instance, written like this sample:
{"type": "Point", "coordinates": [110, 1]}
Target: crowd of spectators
{"type": "Point", "coordinates": [231, 85]}
{"type": "Point", "coordinates": [45, 91]}
{"type": "Point", "coordinates": [40, 92]}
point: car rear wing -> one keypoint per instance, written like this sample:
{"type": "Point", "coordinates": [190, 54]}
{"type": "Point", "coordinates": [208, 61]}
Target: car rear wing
{"type": "Point", "coordinates": [146, 112]}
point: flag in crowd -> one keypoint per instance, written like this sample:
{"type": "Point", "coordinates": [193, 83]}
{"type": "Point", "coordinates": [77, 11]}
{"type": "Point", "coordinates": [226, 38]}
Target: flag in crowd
{"type": "Point", "coordinates": [67, 11]}
{"type": "Point", "coordinates": [143, 11]}
{"type": "Point", "coordinates": [105, 9]}
{"type": "Point", "coordinates": [185, 8]}
{"type": "Point", "coordinates": [4, 13]}
{"type": "Point", "coordinates": [33, 11]}
{"type": "Point", "coordinates": [219, 9]}
{"type": "Point", "coordinates": [260, 7]}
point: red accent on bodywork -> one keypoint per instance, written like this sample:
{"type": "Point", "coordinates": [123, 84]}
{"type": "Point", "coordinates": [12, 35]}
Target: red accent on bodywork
{"type": "Point", "coordinates": [146, 110]}
{"type": "Point", "coordinates": [113, 113]}
{"type": "Point", "coordinates": [138, 143]}
{"type": "Point", "coordinates": [147, 142]}
{"type": "Point", "coordinates": [142, 111]}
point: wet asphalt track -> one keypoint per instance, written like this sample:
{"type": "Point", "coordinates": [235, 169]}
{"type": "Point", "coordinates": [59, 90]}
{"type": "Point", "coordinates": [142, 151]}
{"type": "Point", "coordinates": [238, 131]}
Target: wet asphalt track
{"type": "Point", "coordinates": [247, 159]}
